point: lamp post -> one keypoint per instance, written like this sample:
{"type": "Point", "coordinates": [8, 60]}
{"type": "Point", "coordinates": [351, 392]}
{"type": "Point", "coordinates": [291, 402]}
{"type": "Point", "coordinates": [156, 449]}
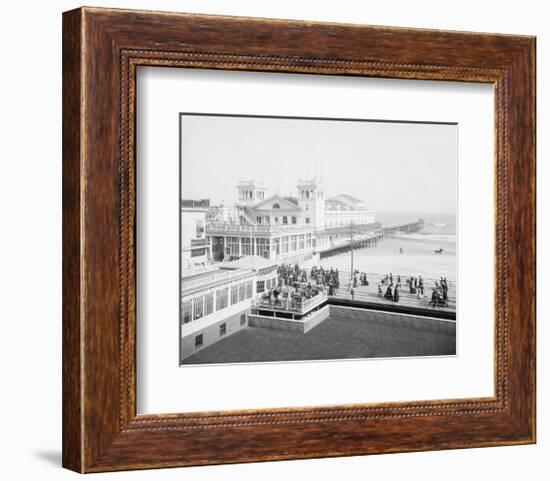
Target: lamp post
{"type": "Point", "coordinates": [351, 249]}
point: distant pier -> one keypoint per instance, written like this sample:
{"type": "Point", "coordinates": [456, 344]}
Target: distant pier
{"type": "Point", "coordinates": [365, 240]}
{"type": "Point", "coordinates": [367, 236]}
{"type": "Point", "coordinates": [403, 228]}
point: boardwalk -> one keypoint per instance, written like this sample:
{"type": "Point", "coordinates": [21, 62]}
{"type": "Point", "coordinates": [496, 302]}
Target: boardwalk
{"type": "Point", "coordinates": [370, 293]}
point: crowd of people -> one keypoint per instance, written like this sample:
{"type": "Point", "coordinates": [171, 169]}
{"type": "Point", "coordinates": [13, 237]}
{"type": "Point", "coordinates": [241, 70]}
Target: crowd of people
{"type": "Point", "coordinates": [291, 297]}
{"type": "Point", "coordinates": [290, 274]}
{"type": "Point", "coordinates": [296, 285]}
{"type": "Point", "coordinates": [416, 285]}
{"type": "Point", "coordinates": [388, 288]}
{"type": "Point", "coordinates": [392, 287]}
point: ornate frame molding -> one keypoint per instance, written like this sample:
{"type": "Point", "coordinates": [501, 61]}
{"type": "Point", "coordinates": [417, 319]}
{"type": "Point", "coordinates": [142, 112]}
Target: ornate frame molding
{"type": "Point", "coordinates": [102, 50]}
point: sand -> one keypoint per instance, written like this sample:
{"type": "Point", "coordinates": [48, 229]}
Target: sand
{"type": "Point", "coordinates": [418, 257]}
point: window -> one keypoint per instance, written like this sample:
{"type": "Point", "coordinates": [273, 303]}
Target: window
{"type": "Point", "coordinates": [208, 304]}
{"type": "Point", "coordinates": [285, 219]}
{"type": "Point", "coordinates": [198, 341]}
{"type": "Point", "coordinates": [249, 289]}
{"type": "Point", "coordinates": [277, 245]}
{"type": "Point", "coordinates": [234, 294]}
{"type": "Point", "coordinates": [307, 206]}
{"type": "Point", "coordinates": [260, 286]}
{"type": "Point", "coordinates": [276, 206]}
{"type": "Point", "coordinates": [284, 245]}
{"type": "Point", "coordinates": [243, 319]}
{"type": "Point", "coordinates": [262, 247]}
{"type": "Point", "coordinates": [242, 291]}
{"type": "Point", "coordinates": [301, 242]}
{"type": "Point", "coordinates": [221, 299]}
{"type": "Point", "coordinates": [294, 219]}
{"type": "Point", "coordinates": [259, 219]}
{"type": "Point", "coordinates": [293, 242]}
{"type": "Point", "coordinates": [232, 246]}
{"type": "Point", "coordinates": [246, 246]}
{"type": "Point", "coordinates": [199, 306]}
{"type": "Point", "coordinates": [307, 220]}
{"type": "Point", "coordinates": [223, 329]}
{"type": "Point", "coordinates": [187, 310]}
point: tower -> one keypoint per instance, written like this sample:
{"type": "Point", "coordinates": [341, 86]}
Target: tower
{"type": "Point", "coordinates": [250, 192]}
{"type": "Point", "coordinates": [311, 199]}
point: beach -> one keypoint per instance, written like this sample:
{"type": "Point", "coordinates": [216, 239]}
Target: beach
{"type": "Point", "coordinates": [418, 257]}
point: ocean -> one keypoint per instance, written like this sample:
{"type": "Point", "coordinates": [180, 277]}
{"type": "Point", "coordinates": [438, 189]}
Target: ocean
{"type": "Point", "coordinates": [418, 257]}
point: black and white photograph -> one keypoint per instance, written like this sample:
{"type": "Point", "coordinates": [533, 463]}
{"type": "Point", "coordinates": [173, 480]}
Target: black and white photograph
{"type": "Point", "coordinates": [278, 240]}
{"type": "Point", "coordinates": [314, 239]}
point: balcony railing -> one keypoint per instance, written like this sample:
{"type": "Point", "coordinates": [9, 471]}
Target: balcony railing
{"type": "Point", "coordinates": [228, 227]}
{"type": "Point", "coordinates": [266, 229]}
{"type": "Point", "coordinates": [290, 303]}
{"type": "Point", "coordinates": [187, 284]}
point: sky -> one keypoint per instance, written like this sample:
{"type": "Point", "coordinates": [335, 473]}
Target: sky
{"type": "Point", "coordinates": [394, 167]}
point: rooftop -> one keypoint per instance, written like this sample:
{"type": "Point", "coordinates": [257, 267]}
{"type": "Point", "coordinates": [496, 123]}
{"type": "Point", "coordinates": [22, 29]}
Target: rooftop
{"type": "Point", "coordinates": [207, 278]}
{"type": "Point", "coordinates": [343, 335]}
{"type": "Point", "coordinates": [248, 262]}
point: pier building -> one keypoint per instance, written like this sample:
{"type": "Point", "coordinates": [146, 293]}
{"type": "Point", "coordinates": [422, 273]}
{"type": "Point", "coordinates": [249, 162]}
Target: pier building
{"type": "Point", "coordinates": [287, 228]}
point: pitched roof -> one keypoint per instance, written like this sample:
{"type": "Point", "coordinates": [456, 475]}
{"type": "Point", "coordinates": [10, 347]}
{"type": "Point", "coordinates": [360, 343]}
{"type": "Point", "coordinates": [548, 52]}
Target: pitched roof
{"type": "Point", "coordinates": [346, 199]}
{"type": "Point", "coordinates": [284, 204]}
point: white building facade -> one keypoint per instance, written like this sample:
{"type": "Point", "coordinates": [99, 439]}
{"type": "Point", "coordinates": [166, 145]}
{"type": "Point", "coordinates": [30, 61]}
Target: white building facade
{"type": "Point", "coordinates": [194, 245]}
{"type": "Point", "coordinates": [215, 303]}
{"type": "Point", "coordinates": [287, 228]}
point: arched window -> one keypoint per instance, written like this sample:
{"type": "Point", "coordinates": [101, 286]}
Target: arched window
{"type": "Point", "coordinates": [276, 206]}
{"type": "Point", "coordinates": [285, 219]}
{"type": "Point", "coordinates": [293, 219]}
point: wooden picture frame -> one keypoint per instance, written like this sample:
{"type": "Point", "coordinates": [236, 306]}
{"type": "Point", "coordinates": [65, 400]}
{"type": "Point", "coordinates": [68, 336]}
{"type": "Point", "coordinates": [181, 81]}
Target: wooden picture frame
{"type": "Point", "coordinates": [101, 51]}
